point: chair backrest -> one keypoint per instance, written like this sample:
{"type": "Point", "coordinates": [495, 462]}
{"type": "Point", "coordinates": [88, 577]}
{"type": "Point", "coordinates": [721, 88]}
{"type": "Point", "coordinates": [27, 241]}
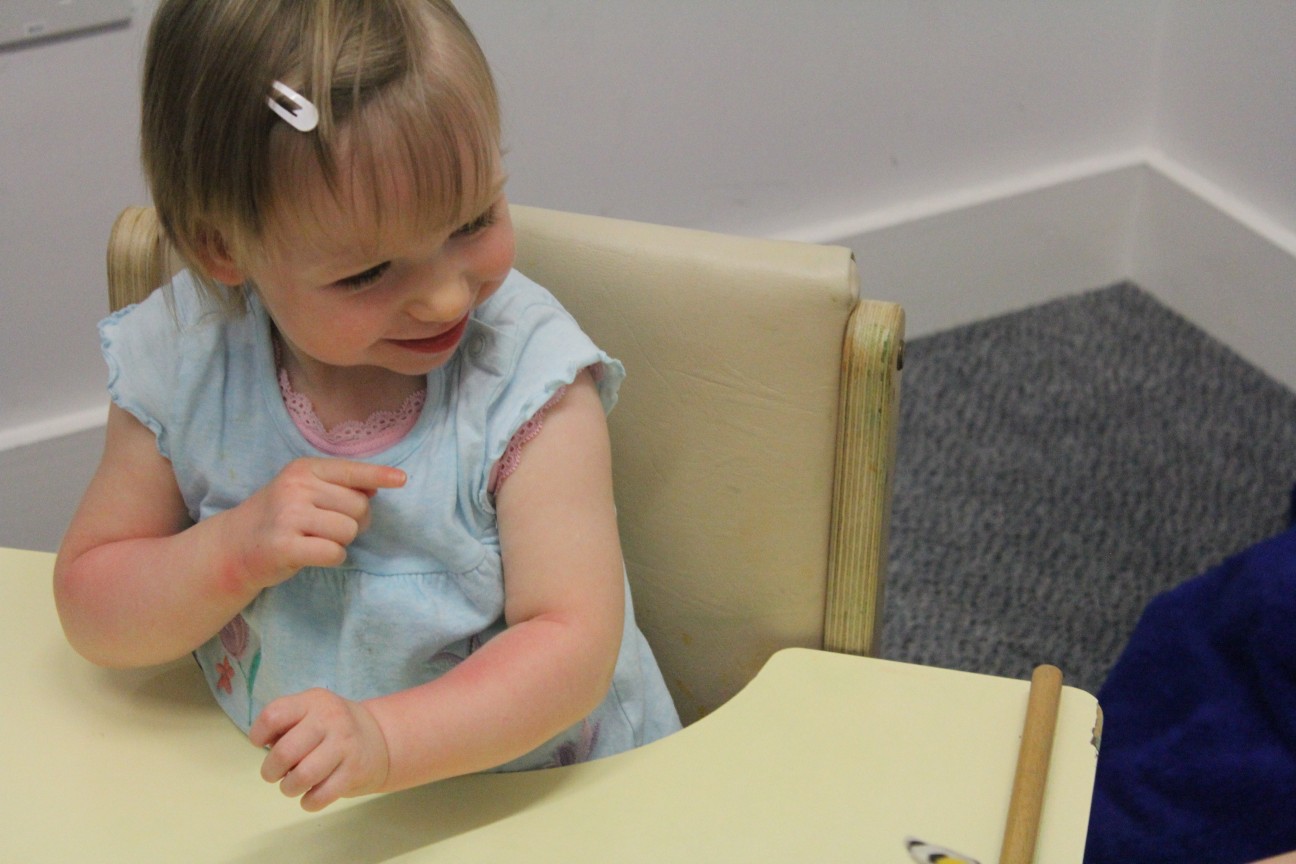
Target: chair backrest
{"type": "Point", "coordinates": [753, 442]}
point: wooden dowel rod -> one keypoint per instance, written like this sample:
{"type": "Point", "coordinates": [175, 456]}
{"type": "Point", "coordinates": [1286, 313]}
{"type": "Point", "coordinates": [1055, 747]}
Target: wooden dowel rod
{"type": "Point", "coordinates": [1027, 802]}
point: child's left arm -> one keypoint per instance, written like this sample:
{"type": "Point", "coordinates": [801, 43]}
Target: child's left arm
{"type": "Point", "coordinates": [564, 604]}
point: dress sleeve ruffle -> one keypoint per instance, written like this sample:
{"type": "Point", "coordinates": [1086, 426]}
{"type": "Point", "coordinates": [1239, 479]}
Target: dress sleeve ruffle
{"type": "Point", "coordinates": [543, 354]}
{"type": "Point", "coordinates": [145, 346]}
{"type": "Point", "coordinates": [132, 340]}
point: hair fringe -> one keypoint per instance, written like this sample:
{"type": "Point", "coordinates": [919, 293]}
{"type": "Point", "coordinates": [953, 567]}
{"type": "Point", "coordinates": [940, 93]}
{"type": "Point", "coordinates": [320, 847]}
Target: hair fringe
{"type": "Point", "coordinates": [218, 161]}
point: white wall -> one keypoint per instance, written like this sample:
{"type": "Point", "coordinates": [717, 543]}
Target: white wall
{"type": "Point", "coordinates": [1225, 132]}
{"type": "Point", "coordinates": [68, 117]}
{"type": "Point", "coordinates": [1226, 99]}
{"type": "Point", "coordinates": [68, 120]}
{"type": "Point", "coordinates": [773, 116]}
{"type": "Point", "coordinates": [882, 124]}
{"type": "Point", "coordinates": [764, 117]}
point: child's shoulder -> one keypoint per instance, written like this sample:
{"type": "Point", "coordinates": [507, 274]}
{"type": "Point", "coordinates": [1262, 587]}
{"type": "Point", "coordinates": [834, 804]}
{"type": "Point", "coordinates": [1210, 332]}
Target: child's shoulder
{"type": "Point", "coordinates": [518, 297]}
{"type": "Point", "coordinates": [179, 305]}
{"type": "Point", "coordinates": [177, 323]}
{"type": "Point", "coordinates": [532, 345]}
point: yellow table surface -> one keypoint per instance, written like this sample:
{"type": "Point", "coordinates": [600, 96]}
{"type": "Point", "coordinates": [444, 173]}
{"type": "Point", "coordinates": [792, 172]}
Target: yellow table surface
{"type": "Point", "coordinates": [822, 758]}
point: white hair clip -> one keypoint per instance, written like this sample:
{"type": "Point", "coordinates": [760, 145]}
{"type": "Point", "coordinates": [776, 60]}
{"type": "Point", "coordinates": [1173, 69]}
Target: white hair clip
{"type": "Point", "coordinates": [302, 115]}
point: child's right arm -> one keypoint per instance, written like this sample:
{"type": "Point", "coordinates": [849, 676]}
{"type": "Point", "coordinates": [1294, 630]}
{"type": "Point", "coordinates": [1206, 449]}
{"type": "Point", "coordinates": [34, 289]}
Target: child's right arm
{"type": "Point", "coordinates": [137, 583]}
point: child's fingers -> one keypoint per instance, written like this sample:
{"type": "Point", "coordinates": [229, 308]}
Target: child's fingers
{"type": "Point", "coordinates": [313, 770]}
{"type": "Point", "coordinates": [363, 476]}
{"type": "Point", "coordinates": [275, 720]}
{"type": "Point", "coordinates": [283, 764]}
{"type": "Point", "coordinates": [325, 793]}
{"type": "Point", "coordinates": [320, 747]}
{"type": "Point", "coordinates": [289, 759]}
{"type": "Point", "coordinates": [335, 523]}
{"type": "Point", "coordinates": [316, 552]}
{"type": "Point", "coordinates": [354, 504]}
{"type": "Point", "coordinates": [330, 781]}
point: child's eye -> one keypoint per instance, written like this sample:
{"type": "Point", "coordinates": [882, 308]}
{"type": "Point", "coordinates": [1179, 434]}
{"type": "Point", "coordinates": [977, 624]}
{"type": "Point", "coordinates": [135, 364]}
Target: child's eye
{"type": "Point", "coordinates": [368, 277]}
{"type": "Point", "coordinates": [481, 223]}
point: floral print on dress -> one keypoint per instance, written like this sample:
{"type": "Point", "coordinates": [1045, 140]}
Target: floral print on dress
{"type": "Point", "coordinates": [235, 638]}
{"type": "Point", "coordinates": [226, 680]}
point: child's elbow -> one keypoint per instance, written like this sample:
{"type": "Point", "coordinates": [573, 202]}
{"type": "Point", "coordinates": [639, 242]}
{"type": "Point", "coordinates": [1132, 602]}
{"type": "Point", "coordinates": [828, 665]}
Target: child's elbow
{"type": "Point", "coordinates": [99, 656]}
{"type": "Point", "coordinates": [107, 653]}
{"type": "Point", "coordinates": [601, 667]}
{"type": "Point", "coordinates": [83, 626]}
{"type": "Point", "coordinates": [85, 643]}
{"type": "Point", "coordinates": [89, 643]}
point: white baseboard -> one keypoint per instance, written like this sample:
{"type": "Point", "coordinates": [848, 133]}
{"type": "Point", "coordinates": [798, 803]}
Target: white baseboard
{"type": "Point", "coordinates": [1221, 265]}
{"type": "Point", "coordinates": [58, 426]}
{"type": "Point", "coordinates": [1138, 216]}
{"type": "Point", "coordinates": [1005, 253]}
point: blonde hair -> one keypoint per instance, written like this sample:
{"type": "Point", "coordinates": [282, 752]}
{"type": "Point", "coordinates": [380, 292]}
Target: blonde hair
{"type": "Point", "coordinates": [391, 79]}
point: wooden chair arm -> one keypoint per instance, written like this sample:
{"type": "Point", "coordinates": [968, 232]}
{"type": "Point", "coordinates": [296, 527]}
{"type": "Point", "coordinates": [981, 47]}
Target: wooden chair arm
{"type": "Point", "coordinates": [868, 414]}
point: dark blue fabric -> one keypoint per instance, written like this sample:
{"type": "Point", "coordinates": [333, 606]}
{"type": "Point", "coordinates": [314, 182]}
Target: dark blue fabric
{"type": "Point", "coordinates": [1198, 759]}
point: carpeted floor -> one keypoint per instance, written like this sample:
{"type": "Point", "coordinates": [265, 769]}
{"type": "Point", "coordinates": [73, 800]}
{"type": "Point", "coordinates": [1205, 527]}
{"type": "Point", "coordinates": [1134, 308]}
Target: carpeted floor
{"type": "Point", "coordinates": [1059, 466]}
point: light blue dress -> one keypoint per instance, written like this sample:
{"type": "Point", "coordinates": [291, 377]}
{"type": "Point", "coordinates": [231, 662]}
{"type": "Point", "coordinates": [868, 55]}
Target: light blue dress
{"type": "Point", "coordinates": [421, 588]}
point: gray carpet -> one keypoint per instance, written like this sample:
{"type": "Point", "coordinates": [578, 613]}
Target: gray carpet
{"type": "Point", "coordinates": [1059, 466]}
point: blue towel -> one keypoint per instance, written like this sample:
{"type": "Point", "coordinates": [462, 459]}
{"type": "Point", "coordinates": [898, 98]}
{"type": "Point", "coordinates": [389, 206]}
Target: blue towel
{"type": "Point", "coordinates": [1198, 759]}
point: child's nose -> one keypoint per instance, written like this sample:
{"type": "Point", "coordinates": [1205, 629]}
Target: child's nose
{"type": "Point", "coordinates": [441, 299]}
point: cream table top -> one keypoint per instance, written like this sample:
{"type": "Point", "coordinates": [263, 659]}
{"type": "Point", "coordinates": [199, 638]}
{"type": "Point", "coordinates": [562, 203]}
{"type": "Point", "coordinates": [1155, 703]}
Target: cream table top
{"type": "Point", "coordinates": [823, 758]}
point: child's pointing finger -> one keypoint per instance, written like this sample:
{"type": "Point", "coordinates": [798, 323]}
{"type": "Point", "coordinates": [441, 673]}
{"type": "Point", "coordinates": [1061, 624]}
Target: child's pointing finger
{"type": "Point", "coordinates": [363, 476]}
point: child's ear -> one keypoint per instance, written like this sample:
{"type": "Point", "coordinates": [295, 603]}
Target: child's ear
{"type": "Point", "coordinates": [214, 257]}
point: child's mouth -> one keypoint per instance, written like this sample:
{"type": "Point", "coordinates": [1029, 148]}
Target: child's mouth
{"type": "Point", "coordinates": [435, 344]}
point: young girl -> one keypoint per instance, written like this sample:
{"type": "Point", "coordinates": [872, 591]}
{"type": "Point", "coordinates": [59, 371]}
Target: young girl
{"type": "Point", "coordinates": [354, 462]}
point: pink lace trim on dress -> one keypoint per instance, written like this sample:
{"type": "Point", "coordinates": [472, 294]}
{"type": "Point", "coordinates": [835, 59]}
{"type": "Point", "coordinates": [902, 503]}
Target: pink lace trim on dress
{"type": "Point", "coordinates": [352, 438]}
{"type": "Point", "coordinates": [356, 439]}
{"type": "Point", "coordinates": [512, 456]}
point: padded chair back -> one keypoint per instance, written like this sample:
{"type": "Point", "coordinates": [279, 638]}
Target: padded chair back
{"type": "Point", "coordinates": [753, 441]}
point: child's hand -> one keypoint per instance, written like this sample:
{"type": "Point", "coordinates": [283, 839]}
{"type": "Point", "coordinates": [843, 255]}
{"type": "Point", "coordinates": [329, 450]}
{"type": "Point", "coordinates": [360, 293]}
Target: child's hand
{"type": "Point", "coordinates": [306, 516]}
{"type": "Point", "coordinates": [322, 747]}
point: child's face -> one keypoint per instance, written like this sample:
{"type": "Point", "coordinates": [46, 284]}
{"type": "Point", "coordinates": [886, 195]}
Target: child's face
{"type": "Point", "coordinates": [344, 294]}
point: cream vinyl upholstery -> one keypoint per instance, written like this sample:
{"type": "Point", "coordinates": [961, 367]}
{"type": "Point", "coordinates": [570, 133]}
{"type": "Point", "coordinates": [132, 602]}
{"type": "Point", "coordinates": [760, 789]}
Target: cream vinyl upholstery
{"type": "Point", "coordinates": [753, 441]}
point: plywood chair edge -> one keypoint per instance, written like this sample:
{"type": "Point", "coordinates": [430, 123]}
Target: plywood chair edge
{"type": "Point", "coordinates": [868, 416]}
